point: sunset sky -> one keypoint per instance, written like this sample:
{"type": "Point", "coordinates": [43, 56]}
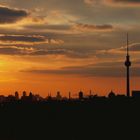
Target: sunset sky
{"type": "Point", "coordinates": [68, 45]}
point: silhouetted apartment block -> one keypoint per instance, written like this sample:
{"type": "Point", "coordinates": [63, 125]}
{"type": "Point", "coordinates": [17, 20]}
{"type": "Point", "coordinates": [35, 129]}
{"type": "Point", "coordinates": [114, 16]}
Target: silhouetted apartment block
{"type": "Point", "coordinates": [136, 93]}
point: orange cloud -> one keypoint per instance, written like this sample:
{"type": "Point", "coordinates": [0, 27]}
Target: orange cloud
{"type": "Point", "coordinates": [123, 3]}
{"type": "Point", "coordinates": [129, 3]}
{"type": "Point", "coordinates": [90, 2]}
{"type": "Point", "coordinates": [27, 40]}
{"type": "Point", "coordinates": [91, 27]}
{"type": "Point", "coordinates": [22, 39]}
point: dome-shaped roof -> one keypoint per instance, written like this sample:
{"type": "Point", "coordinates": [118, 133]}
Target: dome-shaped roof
{"type": "Point", "coordinates": [111, 94]}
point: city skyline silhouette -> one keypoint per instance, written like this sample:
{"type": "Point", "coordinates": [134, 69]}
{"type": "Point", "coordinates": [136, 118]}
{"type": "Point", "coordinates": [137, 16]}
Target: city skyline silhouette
{"type": "Point", "coordinates": [47, 47]}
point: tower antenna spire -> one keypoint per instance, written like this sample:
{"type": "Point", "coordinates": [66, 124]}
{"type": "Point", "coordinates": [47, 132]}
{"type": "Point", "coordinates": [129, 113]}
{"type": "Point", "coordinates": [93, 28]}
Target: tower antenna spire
{"type": "Point", "coordinates": [127, 44]}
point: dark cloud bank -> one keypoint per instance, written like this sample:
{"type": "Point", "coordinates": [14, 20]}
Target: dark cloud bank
{"type": "Point", "coordinates": [9, 15]}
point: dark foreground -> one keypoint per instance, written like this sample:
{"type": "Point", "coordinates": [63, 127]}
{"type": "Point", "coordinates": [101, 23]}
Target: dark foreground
{"type": "Point", "coordinates": [71, 120]}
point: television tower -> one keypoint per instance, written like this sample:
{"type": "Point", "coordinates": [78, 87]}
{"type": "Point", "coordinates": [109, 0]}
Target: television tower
{"type": "Point", "coordinates": [127, 64]}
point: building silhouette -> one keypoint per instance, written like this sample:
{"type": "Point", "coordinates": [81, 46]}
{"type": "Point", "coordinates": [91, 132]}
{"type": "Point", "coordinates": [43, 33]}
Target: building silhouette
{"type": "Point", "coordinates": [81, 95]}
{"type": "Point", "coordinates": [58, 96]}
{"type": "Point", "coordinates": [136, 93]}
{"type": "Point", "coordinates": [111, 94]}
{"type": "Point", "coordinates": [24, 94]}
{"type": "Point", "coordinates": [69, 95]}
{"type": "Point", "coordinates": [17, 95]}
{"type": "Point", "coordinates": [127, 64]}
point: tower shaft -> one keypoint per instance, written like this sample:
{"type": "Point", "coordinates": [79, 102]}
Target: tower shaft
{"type": "Point", "coordinates": [128, 82]}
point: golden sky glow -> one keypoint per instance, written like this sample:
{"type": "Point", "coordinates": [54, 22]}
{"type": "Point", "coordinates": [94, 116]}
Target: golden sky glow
{"type": "Point", "coordinates": [47, 46]}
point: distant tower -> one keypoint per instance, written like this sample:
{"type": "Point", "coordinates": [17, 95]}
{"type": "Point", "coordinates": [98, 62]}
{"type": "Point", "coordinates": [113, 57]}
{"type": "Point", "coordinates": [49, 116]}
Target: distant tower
{"type": "Point", "coordinates": [69, 95]}
{"type": "Point", "coordinates": [127, 64]}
